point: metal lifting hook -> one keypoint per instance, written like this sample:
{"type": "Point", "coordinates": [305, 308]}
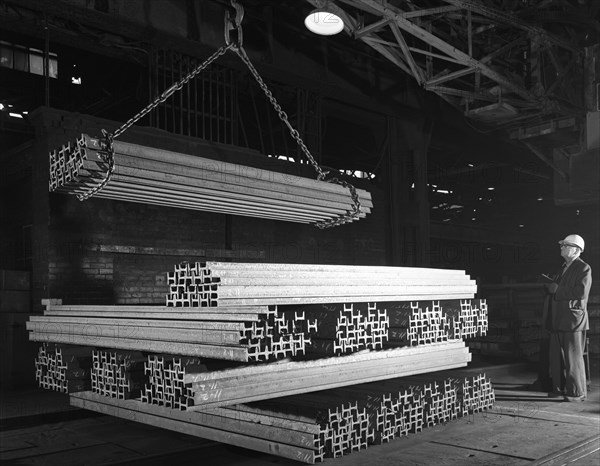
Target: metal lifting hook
{"type": "Point", "coordinates": [234, 24]}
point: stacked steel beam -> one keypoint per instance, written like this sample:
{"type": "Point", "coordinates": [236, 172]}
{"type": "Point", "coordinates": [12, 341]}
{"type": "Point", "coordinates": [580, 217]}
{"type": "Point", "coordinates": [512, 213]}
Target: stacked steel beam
{"type": "Point", "coordinates": [166, 381]}
{"type": "Point", "coordinates": [232, 284]}
{"type": "Point", "coordinates": [422, 322]}
{"type": "Point", "coordinates": [344, 425]}
{"type": "Point", "coordinates": [63, 369]}
{"type": "Point", "coordinates": [153, 176]}
{"type": "Point", "coordinates": [476, 394]}
{"type": "Point", "coordinates": [254, 312]}
{"type": "Point", "coordinates": [260, 382]}
{"type": "Point", "coordinates": [261, 333]}
{"type": "Point", "coordinates": [351, 418]}
{"type": "Point", "coordinates": [467, 319]}
{"type": "Point", "coordinates": [118, 374]}
{"type": "Point", "coordinates": [252, 333]}
{"type": "Point", "coordinates": [284, 333]}
{"type": "Point", "coordinates": [346, 328]}
{"type": "Point", "coordinates": [313, 427]}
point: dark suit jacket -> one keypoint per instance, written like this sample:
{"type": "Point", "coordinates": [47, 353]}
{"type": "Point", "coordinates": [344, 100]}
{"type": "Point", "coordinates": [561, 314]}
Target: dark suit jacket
{"type": "Point", "coordinates": [569, 303]}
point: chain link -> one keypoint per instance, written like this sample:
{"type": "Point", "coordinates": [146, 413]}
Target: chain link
{"type": "Point", "coordinates": [170, 91]}
{"type": "Point", "coordinates": [350, 215]}
{"type": "Point", "coordinates": [108, 153]}
{"type": "Point", "coordinates": [282, 115]}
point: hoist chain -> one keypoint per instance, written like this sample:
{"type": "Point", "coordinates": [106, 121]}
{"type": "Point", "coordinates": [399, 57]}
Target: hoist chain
{"type": "Point", "coordinates": [350, 215]}
{"type": "Point", "coordinates": [170, 91]}
{"type": "Point", "coordinates": [231, 24]}
{"type": "Point", "coordinates": [282, 115]}
{"type": "Point", "coordinates": [108, 155]}
{"type": "Point", "coordinates": [107, 152]}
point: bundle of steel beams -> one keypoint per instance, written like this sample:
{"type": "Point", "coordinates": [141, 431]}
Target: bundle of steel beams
{"type": "Point", "coordinates": [312, 427]}
{"type": "Point", "coordinates": [251, 333]}
{"type": "Point", "coordinates": [466, 321]}
{"type": "Point", "coordinates": [118, 374]}
{"type": "Point", "coordinates": [63, 369]}
{"type": "Point", "coordinates": [345, 328]}
{"type": "Point", "coordinates": [165, 381]}
{"type": "Point", "coordinates": [231, 284]}
{"type": "Point", "coordinates": [190, 385]}
{"type": "Point", "coordinates": [259, 333]}
{"type": "Point", "coordinates": [370, 414]}
{"type": "Point", "coordinates": [272, 380]}
{"type": "Point", "coordinates": [423, 322]}
{"type": "Point", "coordinates": [153, 176]}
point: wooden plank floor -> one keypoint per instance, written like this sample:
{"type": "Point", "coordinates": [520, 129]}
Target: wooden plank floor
{"type": "Point", "coordinates": [524, 427]}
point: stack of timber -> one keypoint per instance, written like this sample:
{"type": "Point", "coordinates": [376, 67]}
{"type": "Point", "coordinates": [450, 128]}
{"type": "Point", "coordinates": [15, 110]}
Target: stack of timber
{"type": "Point", "coordinates": [153, 176]}
{"type": "Point", "coordinates": [233, 284]}
{"type": "Point", "coordinates": [63, 369]}
{"type": "Point", "coordinates": [118, 374]}
{"type": "Point", "coordinates": [312, 427]}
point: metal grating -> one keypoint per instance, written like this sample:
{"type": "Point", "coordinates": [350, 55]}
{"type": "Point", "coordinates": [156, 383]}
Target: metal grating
{"type": "Point", "coordinates": [204, 108]}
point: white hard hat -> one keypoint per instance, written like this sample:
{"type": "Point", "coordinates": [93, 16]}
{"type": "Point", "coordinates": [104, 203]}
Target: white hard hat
{"type": "Point", "coordinates": [574, 240]}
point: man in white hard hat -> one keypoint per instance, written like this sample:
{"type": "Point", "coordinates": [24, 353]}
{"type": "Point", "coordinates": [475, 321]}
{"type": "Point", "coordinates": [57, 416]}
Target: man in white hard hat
{"type": "Point", "coordinates": [569, 321]}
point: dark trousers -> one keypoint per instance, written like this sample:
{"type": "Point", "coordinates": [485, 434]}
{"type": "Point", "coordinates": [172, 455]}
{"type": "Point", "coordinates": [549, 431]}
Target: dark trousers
{"type": "Point", "coordinates": [566, 359]}
{"type": "Point", "coordinates": [543, 378]}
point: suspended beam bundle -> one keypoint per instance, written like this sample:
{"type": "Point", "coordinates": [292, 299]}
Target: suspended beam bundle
{"type": "Point", "coordinates": [224, 284]}
{"type": "Point", "coordinates": [63, 369]}
{"type": "Point", "coordinates": [153, 176]}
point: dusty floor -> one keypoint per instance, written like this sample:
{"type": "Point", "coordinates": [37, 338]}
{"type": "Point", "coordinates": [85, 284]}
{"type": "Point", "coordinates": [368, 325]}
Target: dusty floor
{"type": "Point", "coordinates": [524, 427]}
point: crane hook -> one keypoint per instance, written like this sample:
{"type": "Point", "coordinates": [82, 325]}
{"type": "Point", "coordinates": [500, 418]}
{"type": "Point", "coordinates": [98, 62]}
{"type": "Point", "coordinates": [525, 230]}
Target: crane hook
{"type": "Point", "coordinates": [234, 24]}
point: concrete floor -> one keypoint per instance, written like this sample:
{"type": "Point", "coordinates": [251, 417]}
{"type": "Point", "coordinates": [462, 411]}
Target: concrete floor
{"type": "Point", "coordinates": [524, 427]}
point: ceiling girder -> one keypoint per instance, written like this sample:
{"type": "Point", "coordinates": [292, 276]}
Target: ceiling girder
{"type": "Point", "coordinates": [480, 54]}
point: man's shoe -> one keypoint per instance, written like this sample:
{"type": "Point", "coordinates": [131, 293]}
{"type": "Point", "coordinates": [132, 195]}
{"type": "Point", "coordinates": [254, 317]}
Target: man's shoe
{"type": "Point", "coordinates": [574, 398]}
{"type": "Point", "coordinates": [556, 394]}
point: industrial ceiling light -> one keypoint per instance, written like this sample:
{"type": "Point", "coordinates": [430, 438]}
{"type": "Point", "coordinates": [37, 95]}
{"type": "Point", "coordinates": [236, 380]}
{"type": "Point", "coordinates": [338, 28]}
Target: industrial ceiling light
{"type": "Point", "coordinates": [323, 22]}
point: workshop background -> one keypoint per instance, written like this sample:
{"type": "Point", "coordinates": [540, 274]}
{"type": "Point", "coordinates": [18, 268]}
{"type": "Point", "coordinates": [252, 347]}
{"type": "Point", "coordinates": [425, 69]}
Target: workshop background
{"type": "Point", "coordinates": [474, 126]}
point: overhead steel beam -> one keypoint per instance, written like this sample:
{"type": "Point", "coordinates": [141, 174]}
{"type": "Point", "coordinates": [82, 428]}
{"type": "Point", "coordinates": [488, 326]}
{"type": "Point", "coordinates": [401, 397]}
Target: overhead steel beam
{"type": "Point", "coordinates": [511, 20]}
{"type": "Point", "coordinates": [494, 48]}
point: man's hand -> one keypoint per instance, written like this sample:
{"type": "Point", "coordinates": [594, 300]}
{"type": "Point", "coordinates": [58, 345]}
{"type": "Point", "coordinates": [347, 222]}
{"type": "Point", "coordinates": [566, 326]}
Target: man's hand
{"type": "Point", "coordinates": [551, 287]}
